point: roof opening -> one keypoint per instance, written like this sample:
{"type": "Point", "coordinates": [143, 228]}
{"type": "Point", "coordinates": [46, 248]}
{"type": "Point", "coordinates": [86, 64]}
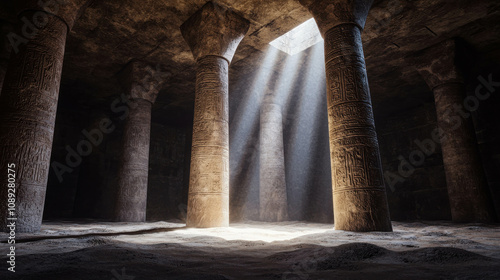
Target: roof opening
{"type": "Point", "coordinates": [298, 39]}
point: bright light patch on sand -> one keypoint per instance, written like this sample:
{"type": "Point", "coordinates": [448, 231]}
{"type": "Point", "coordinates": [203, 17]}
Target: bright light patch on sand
{"type": "Point", "coordinates": [252, 233]}
{"type": "Point", "coordinates": [298, 39]}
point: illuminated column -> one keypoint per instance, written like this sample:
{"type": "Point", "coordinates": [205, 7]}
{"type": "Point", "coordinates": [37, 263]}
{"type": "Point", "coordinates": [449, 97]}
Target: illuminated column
{"type": "Point", "coordinates": [272, 194]}
{"type": "Point", "coordinates": [28, 105]}
{"type": "Point", "coordinates": [142, 85]}
{"type": "Point", "coordinates": [359, 197]}
{"type": "Point", "coordinates": [213, 34]}
{"type": "Point", "coordinates": [465, 177]}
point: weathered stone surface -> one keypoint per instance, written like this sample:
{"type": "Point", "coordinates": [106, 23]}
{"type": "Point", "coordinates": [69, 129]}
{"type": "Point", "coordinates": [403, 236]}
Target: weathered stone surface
{"type": "Point", "coordinates": [66, 10]}
{"type": "Point", "coordinates": [113, 32]}
{"type": "Point", "coordinates": [208, 200]}
{"type": "Point", "coordinates": [214, 30]}
{"type": "Point", "coordinates": [272, 194]}
{"type": "Point", "coordinates": [438, 65]}
{"type": "Point", "coordinates": [141, 80]}
{"type": "Point", "coordinates": [465, 177]}
{"type": "Point", "coordinates": [27, 116]}
{"type": "Point", "coordinates": [143, 85]}
{"type": "Point", "coordinates": [330, 14]}
{"type": "Point", "coordinates": [168, 176]}
{"type": "Point", "coordinates": [359, 197]}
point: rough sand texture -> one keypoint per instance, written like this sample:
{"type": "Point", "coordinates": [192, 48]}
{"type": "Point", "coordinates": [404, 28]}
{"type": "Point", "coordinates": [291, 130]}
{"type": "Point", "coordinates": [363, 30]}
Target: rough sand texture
{"type": "Point", "coordinates": [286, 250]}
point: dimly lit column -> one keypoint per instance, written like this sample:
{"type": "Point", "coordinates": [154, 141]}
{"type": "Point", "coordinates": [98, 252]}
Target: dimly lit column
{"type": "Point", "coordinates": [359, 198]}
{"type": "Point", "coordinates": [142, 84]}
{"type": "Point", "coordinates": [272, 194]}
{"type": "Point", "coordinates": [28, 105]}
{"type": "Point", "coordinates": [213, 34]}
{"type": "Point", "coordinates": [465, 177]}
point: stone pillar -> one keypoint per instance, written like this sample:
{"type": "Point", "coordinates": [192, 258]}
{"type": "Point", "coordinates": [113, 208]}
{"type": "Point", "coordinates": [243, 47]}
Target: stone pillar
{"type": "Point", "coordinates": [28, 105]}
{"type": "Point", "coordinates": [142, 84]}
{"type": "Point", "coordinates": [465, 177]}
{"type": "Point", "coordinates": [359, 198]}
{"type": "Point", "coordinates": [213, 34]}
{"type": "Point", "coordinates": [272, 194]}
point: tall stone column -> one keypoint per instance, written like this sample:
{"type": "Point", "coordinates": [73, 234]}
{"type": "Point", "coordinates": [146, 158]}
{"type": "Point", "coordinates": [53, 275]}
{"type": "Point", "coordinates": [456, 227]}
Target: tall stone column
{"type": "Point", "coordinates": [359, 197]}
{"type": "Point", "coordinates": [213, 34]}
{"type": "Point", "coordinates": [142, 84]}
{"type": "Point", "coordinates": [272, 194]}
{"type": "Point", "coordinates": [28, 105]}
{"type": "Point", "coordinates": [465, 177]}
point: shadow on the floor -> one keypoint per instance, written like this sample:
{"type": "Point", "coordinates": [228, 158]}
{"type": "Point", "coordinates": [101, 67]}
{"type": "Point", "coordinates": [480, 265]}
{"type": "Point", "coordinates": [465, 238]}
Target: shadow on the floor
{"type": "Point", "coordinates": [135, 232]}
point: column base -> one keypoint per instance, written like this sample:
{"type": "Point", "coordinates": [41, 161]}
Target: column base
{"type": "Point", "coordinates": [361, 211]}
{"type": "Point", "coordinates": [207, 210]}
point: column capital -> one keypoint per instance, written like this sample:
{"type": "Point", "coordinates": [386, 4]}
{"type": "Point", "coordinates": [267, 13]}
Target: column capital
{"type": "Point", "coordinates": [142, 81]}
{"type": "Point", "coordinates": [214, 30]}
{"type": "Point", "coordinates": [331, 13]}
{"type": "Point", "coordinates": [66, 10]}
{"type": "Point", "coordinates": [438, 64]}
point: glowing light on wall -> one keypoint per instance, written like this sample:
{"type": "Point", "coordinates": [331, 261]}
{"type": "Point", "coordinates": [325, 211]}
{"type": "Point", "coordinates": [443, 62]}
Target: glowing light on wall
{"type": "Point", "coordinates": [298, 39]}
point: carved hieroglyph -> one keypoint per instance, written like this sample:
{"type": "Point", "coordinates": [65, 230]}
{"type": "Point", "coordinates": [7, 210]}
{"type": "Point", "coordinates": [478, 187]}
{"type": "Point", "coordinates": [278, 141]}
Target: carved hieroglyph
{"type": "Point", "coordinates": [133, 171]}
{"type": "Point", "coordinates": [213, 34]}
{"type": "Point", "coordinates": [27, 117]}
{"type": "Point", "coordinates": [465, 177]}
{"type": "Point", "coordinates": [359, 197]}
{"type": "Point", "coordinates": [142, 84]}
{"type": "Point", "coordinates": [28, 105]}
{"type": "Point", "coordinates": [272, 193]}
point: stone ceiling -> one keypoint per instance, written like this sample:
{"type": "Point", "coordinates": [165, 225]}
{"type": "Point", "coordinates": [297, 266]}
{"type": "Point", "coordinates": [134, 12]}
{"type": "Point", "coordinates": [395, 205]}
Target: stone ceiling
{"type": "Point", "coordinates": [111, 33]}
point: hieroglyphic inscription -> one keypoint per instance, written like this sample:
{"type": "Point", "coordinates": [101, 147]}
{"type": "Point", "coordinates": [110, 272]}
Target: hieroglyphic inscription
{"type": "Point", "coordinates": [211, 101]}
{"type": "Point", "coordinates": [209, 170]}
{"type": "Point", "coordinates": [210, 148]}
{"type": "Point", "coordinates": [356, 167]}
{"type": "Point", "coordinates": [27, 117]}
{"type": "Point", "coordinates": [133, 171]}
{"type": "Point", "coordinates": [213, 38]}
{"type": "Point", "coordinates": [347, 84]}
{"type": "Point", "coordinates": [212, 132]}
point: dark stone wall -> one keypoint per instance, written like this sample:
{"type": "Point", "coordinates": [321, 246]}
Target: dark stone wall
{"type": "Point", "coordinates": [483, 72]}
{"type": "Point", "coordinates": [97, 182]}
{"type": "Point", "coordinates": [167, 188]}
{"type": "Point", "coordinates": [62, 190]}
{"type": "Point", "coordinates": [89, 190]}
{"type": "Point", "coordinates": [5, 48]}
{"type": "Point", "coordinates": [421, 193]}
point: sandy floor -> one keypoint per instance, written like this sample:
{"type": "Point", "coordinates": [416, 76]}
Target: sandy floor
{"type": "Point", "coordinates": [289, 250]}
